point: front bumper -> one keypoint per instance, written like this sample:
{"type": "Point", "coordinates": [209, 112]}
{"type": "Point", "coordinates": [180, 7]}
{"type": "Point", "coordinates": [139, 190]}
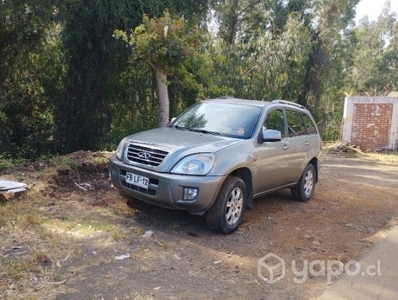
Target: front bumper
{"type": "Point", "coordinates": [166, 189]}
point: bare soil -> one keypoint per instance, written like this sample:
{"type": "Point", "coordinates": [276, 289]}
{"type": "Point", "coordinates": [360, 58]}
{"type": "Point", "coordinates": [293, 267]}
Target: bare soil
{"type": "Point", "coordinates": [73, 237]}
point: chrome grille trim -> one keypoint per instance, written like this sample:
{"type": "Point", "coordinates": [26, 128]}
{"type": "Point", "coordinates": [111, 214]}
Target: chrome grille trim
{"type": "Point", "coordinates": [147, 155]}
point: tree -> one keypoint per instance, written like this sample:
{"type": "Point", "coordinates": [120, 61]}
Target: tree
{"type": "Point", "coordinates": [94, 62]}
{"type": "Point", "coordinates": [170, 47]}
{"type": "Point", "coordinates": [376, 44]}
{"type": "Point", "coordinates": [26, 124]}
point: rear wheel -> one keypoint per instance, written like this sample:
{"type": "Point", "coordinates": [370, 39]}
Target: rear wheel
{"type": "Point", "coordinates": [305, 187]}
{"type": "Point", "coordinates": [226, 214]}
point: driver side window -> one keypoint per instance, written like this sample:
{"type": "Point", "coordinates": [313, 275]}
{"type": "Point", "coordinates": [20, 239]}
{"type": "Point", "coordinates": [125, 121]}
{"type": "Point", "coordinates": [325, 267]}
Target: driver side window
{"type": "Point", "coordinates": [275, 120]}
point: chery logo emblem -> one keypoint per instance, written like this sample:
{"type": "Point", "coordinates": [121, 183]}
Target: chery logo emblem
{"type": "Point", "coordinates": [144, 155]}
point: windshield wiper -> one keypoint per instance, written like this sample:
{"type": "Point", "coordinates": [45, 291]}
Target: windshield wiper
{"type": "Point", "coordinates": [204, 131]}
{"type": "Point", "coordinates": [177, 127]}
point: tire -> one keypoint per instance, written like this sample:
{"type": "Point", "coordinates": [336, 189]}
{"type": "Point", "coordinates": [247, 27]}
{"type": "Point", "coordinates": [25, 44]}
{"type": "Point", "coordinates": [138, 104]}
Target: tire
{"type": "Point", "coordinates": [304, 189]}
{"type": "Point", "coordinates": [226, 214]}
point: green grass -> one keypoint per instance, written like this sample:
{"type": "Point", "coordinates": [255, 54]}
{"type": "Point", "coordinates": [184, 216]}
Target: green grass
{"type": "Point", "coordinates": [64, 161]}
{"type": "Point", "coordinates": [7, 162]}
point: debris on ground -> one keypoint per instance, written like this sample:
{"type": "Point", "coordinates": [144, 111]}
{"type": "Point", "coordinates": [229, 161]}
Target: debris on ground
{"type": "Point", "coordinates": [343, 148]}
{"type": "Point", "coordinates": [122, 257]}
{"type": "Point", "coordinates": [84, 186]}
{"type": "Point", "coordinates": [9, 188]}
{"type": "Point", "coordinates": [15, 251]}
{"type": "Point", "coordinates": [346, 147]}
{"type": "Point", "coordinates": [148, 234]}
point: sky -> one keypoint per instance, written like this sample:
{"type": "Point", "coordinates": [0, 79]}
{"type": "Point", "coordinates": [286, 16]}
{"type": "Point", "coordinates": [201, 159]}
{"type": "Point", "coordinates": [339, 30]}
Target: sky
{"type": "Point", "coordinates": [373, 8]}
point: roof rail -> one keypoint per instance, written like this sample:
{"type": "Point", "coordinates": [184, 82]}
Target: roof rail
{"type": "Point", "coordinates": [224, 97]}
{"type": "Point", "coordinates": [288, 103]}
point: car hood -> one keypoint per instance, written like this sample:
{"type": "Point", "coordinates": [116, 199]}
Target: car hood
{"type": "Point", "coordinates": [180, 143]}
{"type": "Point", "coordinates": [174, 139]}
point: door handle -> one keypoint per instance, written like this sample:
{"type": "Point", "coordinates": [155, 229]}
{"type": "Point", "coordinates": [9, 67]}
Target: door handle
{"type": "Point", "coordinates": [285, 147]}
{"type": "Point", "coordinates": [306, 143]}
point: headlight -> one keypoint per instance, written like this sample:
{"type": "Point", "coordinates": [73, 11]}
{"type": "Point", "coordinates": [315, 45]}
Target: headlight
{"type": "Point", "coordinates": [120, 148]}
{"type": "Point", "coordinates": [196, 164]}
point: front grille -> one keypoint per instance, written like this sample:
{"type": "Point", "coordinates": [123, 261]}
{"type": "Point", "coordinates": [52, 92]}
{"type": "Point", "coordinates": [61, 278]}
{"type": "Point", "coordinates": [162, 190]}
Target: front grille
{"type": "Point", "coordinates": [145, 155]}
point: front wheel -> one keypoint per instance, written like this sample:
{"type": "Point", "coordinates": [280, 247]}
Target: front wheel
{"type": "Point", "coordinates": [226, 214]}
{"type": "Point", "coordinates": [305, 187]}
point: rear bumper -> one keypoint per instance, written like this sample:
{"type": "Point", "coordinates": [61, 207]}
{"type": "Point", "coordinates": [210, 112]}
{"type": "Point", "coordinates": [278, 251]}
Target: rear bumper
{"type": "Point", "coordinates": [165, 189]}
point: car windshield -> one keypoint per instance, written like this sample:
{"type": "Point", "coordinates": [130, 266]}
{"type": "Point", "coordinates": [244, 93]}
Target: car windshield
{"type": "Point", "coordinates": [224, 119]}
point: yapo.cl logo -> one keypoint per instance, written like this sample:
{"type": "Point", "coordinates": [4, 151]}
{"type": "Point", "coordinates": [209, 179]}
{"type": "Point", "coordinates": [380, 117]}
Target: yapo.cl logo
{"type": "Point", "coordinates": [144, 155]}
{"type": "Point", "coordinates": [271, 268]}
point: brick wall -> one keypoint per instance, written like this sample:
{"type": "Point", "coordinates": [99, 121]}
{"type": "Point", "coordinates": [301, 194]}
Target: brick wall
{"type": "Point", "coordinates": [371, 125]}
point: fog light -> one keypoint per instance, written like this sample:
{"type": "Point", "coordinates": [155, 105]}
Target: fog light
{"type": "Point", "coordinates": [190, 193]}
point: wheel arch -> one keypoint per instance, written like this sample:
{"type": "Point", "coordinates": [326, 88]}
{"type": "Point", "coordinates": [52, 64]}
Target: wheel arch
{"type": "Point", "coordinates": [315, 162]}
{"type": "Point", "coordinates": [246, 175]}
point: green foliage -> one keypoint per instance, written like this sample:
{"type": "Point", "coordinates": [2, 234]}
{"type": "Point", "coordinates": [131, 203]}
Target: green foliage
{"type": "Point", "coordinates": [64, 161]}
{"type": "Point", "coordinates": [170, 46]}
{"type": "Point", "coordinates": [25, 66]}
{"type": "Point", "coordinates": [98, 98]}
{"type": "Point", "coordinates": [277, 51]}
{"type": "Point", "coordinates": [272, 67]}
{"type": "Point", "coordinates": [6, 161]}
{"type": "Point", "coordinates": [67, 84]}
{"type": "Point", "coordinates": [136, 106]}
{"type": "Point", "coordinates": [166, 43]}
{"type": "Point", "coordinates": [93, 63]}
{"type": "Point", "coordinates": [376, 44]}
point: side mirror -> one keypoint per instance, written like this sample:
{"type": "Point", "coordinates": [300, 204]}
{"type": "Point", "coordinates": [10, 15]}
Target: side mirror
{"type": "Point", "coordinates": [172, 120]}
{"type": "Point", "coordinates": [271, 135]}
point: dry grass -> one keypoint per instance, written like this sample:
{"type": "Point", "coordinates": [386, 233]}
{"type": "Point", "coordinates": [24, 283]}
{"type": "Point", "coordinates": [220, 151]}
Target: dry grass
{"type": "Point", "coordinates": [382, 157]}
{"type": "Point", "coordinates": [41, 232]}
{"type": "Point", "coordinates": [353, 152]}
{"type": "Point", "coordinates": [35, 246]}
{"type": "Point", "coordinates": [30, 255]}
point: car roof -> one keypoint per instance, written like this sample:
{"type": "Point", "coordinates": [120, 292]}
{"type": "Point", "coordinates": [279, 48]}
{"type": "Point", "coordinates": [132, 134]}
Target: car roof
{"type": "Point", "coordinates": [239, 101]}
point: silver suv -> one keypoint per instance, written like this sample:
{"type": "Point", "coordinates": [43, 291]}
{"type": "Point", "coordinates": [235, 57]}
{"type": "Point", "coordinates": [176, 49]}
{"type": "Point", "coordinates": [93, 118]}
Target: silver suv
{"type": "Point", "coordinates": [219, 155]}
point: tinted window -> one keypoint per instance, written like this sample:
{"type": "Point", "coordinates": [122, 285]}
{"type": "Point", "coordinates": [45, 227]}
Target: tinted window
{"type": "Point", "coordinates": [309, 125]}
{"type": "Point", "coordinates": [222, 118]}
{"type": "Point", "coordinates": [295, 123]}
{"type": "Point", "coordinates": [275, 120]}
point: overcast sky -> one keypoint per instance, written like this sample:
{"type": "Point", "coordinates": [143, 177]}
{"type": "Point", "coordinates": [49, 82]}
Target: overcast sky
{"type": "Point", "coordinates": [373, 8]}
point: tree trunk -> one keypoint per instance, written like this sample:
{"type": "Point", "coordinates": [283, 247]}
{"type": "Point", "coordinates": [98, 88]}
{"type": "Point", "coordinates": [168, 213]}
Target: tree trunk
{"type": "Point", "coordinates": [163, 94]}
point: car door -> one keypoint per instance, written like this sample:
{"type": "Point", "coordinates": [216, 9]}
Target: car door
{"type": "Point", "coordinates": [272, 159]}
{"type": "Point", "coordinates": [298, 141]}
{"type": "Point", "coordinates": [312, 142]}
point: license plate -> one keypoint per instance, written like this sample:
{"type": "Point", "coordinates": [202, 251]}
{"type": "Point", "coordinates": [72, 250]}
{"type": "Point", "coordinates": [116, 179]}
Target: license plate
{"type": "Point", "coordinates": [137, 180]}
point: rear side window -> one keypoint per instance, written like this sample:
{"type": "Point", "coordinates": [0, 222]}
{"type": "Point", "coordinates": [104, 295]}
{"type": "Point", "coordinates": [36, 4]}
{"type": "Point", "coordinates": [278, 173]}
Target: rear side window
{"type": "Point", "coordinates": [309, 124]}
{"type": "Point", "coordinates": [275, 121]}
{"type": "Point", "coordinates": [295, 123]}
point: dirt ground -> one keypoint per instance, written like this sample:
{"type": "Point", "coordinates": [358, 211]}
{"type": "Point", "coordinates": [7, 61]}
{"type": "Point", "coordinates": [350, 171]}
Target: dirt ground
{"type": "Point", "coordinates": [72, 236]}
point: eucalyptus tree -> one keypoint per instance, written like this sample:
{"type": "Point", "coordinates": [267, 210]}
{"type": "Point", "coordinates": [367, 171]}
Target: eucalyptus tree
{"type": "Point", "coordinates": [294, 49]}
{"type": "Point", "coordinates": [169, 45]}
{"type": "Point", "coordinates": [329, 30]}
{"type": "Point", "coordinates": [375, 55]}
